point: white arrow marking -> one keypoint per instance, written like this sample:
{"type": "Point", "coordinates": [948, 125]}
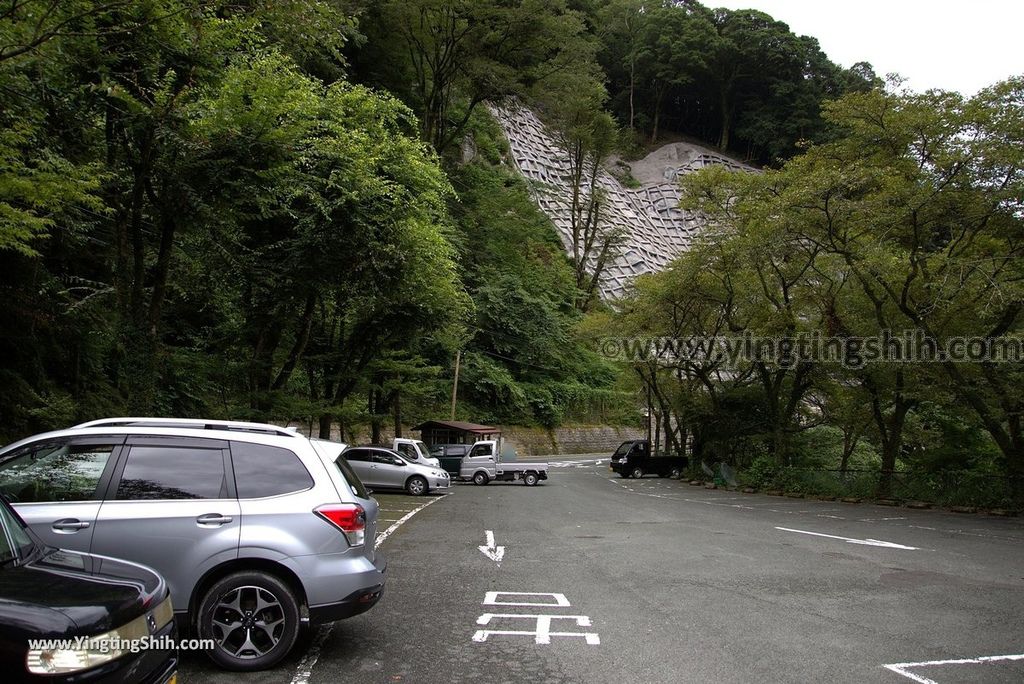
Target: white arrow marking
{"type": "Point", "coordinates": [495, 553]}
{"type": "Point", "coordinates": [865, 542]}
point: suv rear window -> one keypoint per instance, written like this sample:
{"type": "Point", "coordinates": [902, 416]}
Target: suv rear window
{"type": "Point", "coordinates": [267, 471]}
{"type": "Point", "coordinates": [358, 488]}
{"type": "Point", "coordinates": [171, 472]}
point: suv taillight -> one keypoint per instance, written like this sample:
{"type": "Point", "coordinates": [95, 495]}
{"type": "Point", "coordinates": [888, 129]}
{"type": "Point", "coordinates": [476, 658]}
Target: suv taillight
{"type": "Point", "coordinates": [349, 518]}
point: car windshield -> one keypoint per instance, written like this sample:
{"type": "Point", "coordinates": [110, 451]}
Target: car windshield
{"type": "Point", "coordinates": [422, 447]}
{"type": "Point", "coordinates": [623, 449]}
{"type": "Point", "coordinates": [14, 541]}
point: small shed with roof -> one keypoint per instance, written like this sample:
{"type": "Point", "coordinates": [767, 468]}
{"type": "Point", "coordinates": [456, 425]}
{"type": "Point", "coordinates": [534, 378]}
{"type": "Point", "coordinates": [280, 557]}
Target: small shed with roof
{"type": "Point", "coordinates": [455, 432]}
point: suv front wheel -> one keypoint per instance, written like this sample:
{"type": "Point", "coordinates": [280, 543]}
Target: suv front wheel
{"type": "Point", "coordinates": [254, 619]}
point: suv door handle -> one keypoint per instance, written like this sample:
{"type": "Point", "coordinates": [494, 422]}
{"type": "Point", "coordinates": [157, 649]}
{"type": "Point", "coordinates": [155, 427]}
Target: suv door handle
{"type": "Point", "coordinates": [69, 525]}
{"type": "Point", "coordinates": [213, 519]}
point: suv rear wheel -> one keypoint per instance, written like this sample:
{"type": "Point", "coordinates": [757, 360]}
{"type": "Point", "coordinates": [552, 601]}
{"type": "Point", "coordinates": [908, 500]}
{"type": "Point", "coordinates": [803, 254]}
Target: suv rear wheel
{"type": "Point", "coordinates": [253, 617]}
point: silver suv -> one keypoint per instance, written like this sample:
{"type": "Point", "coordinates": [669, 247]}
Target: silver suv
{"type": "Point", "coordinates": [255, 527]}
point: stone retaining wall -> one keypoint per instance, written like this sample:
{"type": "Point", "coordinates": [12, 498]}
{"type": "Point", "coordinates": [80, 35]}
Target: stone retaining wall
{"type": "Point", "coordinates": [530, 441]}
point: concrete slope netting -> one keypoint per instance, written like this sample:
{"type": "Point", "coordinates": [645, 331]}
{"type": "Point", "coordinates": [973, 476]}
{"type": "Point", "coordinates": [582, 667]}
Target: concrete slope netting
{"type": "Point", "coordinates": [655, 229]}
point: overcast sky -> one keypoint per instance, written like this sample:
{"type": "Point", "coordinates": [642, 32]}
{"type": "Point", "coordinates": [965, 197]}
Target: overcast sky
{"type": "Point", "coordinates": [961, 46]}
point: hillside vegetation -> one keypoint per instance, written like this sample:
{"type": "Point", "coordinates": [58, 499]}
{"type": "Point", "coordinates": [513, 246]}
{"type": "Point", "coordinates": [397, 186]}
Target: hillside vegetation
{"type": "Point", "coordinates": [302, 210]}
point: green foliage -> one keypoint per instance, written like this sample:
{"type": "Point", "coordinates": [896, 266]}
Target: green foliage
{"type": "Point", "coordinates": [226, 231]}
{"type": "Point", "coordinates": [444, 51]}
{"type": "Point", "coordinates": [735, 77]}
{"type": "Point", "coordinates": [909, 219]}
{"type": "Point", "coordinates": [526, 363]}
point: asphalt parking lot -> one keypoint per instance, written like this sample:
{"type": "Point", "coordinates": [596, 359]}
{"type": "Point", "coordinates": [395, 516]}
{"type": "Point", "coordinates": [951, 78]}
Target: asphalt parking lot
{"type": "Point", "coordinates": [591, 578]}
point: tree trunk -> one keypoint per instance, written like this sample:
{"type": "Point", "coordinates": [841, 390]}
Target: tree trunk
{"type": "Point", "coordinates": [724, 103]}
{"type": "Point", "coordinates": [398, 413]}
{"type": "Point", "coordinates": [890, 430]}
{"type": "Point", "coordinates": [659, 96]}
{"type": "Point", "coordinates": [656, 446]}
{"type": "Point", "coordinates": [849, 444]}
{"type": "Point", "coordinates": [325, 426]}
{"type": "Point", "coordinates": [375, 418]}
{"type": "Point", "coordinates": [632, 88]}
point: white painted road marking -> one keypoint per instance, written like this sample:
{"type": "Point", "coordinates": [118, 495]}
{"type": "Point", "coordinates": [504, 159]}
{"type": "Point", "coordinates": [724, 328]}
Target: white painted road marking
{"type": "Point", "coordinates": [491, 599]}
{"type": "Point", "coordinates": [901, 668]}
{"type": "Point", "coordinates": [401, 521]}
{"type": "Point", "coordinates": [305, 667]}
{"type": "Point", "coordinates": [495, 553]}
{"type": "Point", "coordinates": [542, 634]}
{"type": "Point", "coordinates": [865, 542]}
{"type": "Point", "coordinates": [542, 623]}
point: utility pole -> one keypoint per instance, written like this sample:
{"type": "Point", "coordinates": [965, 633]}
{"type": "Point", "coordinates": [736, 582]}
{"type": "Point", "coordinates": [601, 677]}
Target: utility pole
{"type": "Point", "coordinates": [455, 385]}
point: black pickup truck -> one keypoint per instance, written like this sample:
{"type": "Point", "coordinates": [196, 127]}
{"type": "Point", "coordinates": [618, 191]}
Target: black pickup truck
{"type": "Point", "coordinates": [634, 459]}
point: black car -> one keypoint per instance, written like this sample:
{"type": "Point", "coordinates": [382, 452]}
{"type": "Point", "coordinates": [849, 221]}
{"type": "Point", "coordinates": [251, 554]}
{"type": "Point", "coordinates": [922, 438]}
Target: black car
{"type": "Point", "coordinates": [93, 611]}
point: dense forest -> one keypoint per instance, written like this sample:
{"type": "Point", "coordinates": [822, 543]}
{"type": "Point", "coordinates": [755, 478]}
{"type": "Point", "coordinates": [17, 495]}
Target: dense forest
{"type": "Point", "coordinates": [900, 241]}
{"type": "Point", "coordinates": [302, 210]}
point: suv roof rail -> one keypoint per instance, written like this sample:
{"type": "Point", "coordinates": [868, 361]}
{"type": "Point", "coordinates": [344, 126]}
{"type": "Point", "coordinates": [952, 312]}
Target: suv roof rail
{"type": "Point", "coordinates": [198, 424]}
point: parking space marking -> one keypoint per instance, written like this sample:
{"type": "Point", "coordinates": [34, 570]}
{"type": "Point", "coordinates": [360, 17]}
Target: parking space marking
{"type": "Point", "coordinates": [902, 668]}
{"type": "Point", "coordinates": [542, 634]}
{"type": "Point", "coordinates": [541, 622]}
{"type": "Point", "coordinates": [304, 669]}
{"type": "Point", "coordinates": [849, 540]}
{"type": "Point", "coordinates": [491, 599]}
{"type": "Point", "coordinates": [404, 519]}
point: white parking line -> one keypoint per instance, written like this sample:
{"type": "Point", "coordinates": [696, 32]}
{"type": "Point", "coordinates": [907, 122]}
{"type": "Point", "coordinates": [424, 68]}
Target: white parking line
{"type": "Point", "coordinates": [305, 667]}
{"type": "Point", "coordinates": [401, 521]}
{"type": "Point", "coordinates": [849, 540]}
{"type": "Point", "coordinates": [901, 668]}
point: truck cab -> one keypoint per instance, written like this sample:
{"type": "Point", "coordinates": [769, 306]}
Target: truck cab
{"type": "Point", "coordinates": [415, 451]}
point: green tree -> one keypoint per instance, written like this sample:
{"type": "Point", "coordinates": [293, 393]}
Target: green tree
{"type": "Point", "coordinates": [461, 54]}
{"type": "Point", "coordinates": [919, 202]}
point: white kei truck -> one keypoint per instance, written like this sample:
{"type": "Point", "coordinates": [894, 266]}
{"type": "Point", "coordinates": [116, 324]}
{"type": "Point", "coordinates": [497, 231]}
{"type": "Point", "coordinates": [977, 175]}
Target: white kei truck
{"type": "Point", "coordinates": [483, 463]}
